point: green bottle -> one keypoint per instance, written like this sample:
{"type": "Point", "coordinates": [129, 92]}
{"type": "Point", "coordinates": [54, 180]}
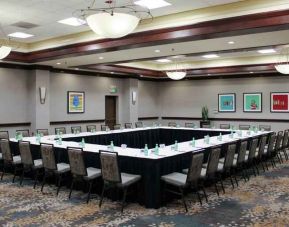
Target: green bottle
{"type": "Point", "coordinates": [157, 149]}
{"type": "Point", "coordinates": [111, 145]}
{"type": "Point", "coordinates": [176, 146]}
{"type": "Point", "coordinates": [146, 150]}
{"type": "Point", "coordinates": [193, 142]}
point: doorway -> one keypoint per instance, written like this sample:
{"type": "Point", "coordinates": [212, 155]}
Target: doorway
{"type": "Point", "coordinates": [110, 111]}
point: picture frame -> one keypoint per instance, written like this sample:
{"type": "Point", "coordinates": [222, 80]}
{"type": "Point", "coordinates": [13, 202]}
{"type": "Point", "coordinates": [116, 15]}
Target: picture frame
{"type": "Point", "coordinates": [75, 102]}
{"type": "Point", "coordinates": [227, 102]}
{"type": "Point", "coordinates": [279, 102]}
{"type": "Point", "coordinates": [252, 102]}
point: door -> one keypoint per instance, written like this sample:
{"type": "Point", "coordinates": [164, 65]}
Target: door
{"type": "Point", "coordinates": [110, 111]}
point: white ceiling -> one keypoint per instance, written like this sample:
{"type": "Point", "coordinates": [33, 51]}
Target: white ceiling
{"type": "Point", "coordinates": [46, 13]}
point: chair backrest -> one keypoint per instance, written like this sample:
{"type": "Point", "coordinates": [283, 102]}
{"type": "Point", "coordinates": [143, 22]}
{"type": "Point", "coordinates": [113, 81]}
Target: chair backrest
{"type": "Point", "coordinates": [271, 144]}
{"type": "Point", "coordinates": [206, 125]}
{"type": "Point", "coordinates": [6, 151]}
{"type": "Point", "coordinates": [189, 125]}
{"type": "Point", "coordinates": [225, 126]}
{"type": "Point", "coordinates": [195, 168]}
{"type": "Point", "coordinates": [48, 156]}
{"type": "Point", "coordinates": [279, 140]}
{"type": "Point", "coordinates": [25, 153]}
{"type": "Point", "coordinates": [244, 127]}
{"type": "Point", "coordinates": [139, 124]}
{"type": "Point", "coordinates": [77, 166]}
{"type": "Point", "coordinates": [4, 135]}
{"type": "Point", "coordinates": [109, 167]}
{"type": "Point", "coordinates": [253, 148]}
{"type": "Point", "coordinates": [213, 161]}
{"type": "Point", "coordinates": [25, 133]}
{"type": "Point", "coordinates": [60, 130]}
{"type": "Point", "coordinates": [242, 151]}
{"type": "Point", "coordinates": [285, 139]}
{"type": "Point", "coordinates": [172, 124]}
{"type": "Point", "coordinates": [229, 156]}
{"type": "Point", "coordinates": [117, 126]}
{"type": "Point", "coordinates": [262, 145]}
{"type": "Point", "coordinates": [75, 129]}
{"type": "Point", "coordinates": [44, 132]}
{"type": "Point", "coordinates": [128, 125]}
{"type": "Point", "coordinates": [91, 128]}
{"type": "Point", "coordinates": [265, 127]}
{"type": "Point", "coordinates": [103, 127]}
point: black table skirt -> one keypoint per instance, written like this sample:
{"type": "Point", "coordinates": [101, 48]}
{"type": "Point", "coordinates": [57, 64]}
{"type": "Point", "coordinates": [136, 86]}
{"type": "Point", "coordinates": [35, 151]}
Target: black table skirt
{"type": "Point", "coordinates": [150, 170]}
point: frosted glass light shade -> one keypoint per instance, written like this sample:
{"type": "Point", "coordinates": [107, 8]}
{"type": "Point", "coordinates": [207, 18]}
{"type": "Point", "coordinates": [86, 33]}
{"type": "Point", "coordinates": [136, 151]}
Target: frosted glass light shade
{"type": "Point", "coordinates": [112, 26]}
{"type": "Point", "coordinates": [4, 51]}
{"type": "Point", "coordinates": [176, 75]}
{"type": "Point", "coordinates": [282, 68]}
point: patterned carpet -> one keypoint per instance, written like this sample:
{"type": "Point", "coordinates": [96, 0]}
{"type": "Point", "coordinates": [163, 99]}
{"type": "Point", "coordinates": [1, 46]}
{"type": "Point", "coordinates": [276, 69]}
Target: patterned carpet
{"type": "Point", "coordinates": [263, 201]}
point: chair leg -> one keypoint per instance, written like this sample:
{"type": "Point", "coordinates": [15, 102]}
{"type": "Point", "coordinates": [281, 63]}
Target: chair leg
{"type": "Point", "coordinates": [44, 180]}
{"type": "Point", "coordinates": [199, 197]}
{"type": "Point", "coordinates": [3, 172]}
{"type": "Point", "coordinates": [102, 195]}
{"type": "Point", "coordinates": [232, 182]}
{"type": "Point", "coordinates": [217, 191]}
{"type": "Point", "coordinates": [221, 181]}
{"type": "Point", "coordinates": [89, 191]}
{"type": "Point", "coordinates": [14, 174]}
{"type": "Point", "coordinates": [21, 177]}
{"type": "Point", "coordinates": [123, 199]}
{"type": "Point", "coordinates": [71, 187]}
{"type": "Point", "coordinates": [59, 184]}
{"type": "Point", "coordinates": [183, 199]}
{"type": "Point", "coordinates": [35, 178]}
{"type": "Point", "coordinates": [205, 194]}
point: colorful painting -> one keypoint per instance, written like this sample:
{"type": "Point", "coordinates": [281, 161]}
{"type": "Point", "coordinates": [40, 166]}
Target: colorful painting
{"type": "Point", "coordinates": [252, 102]}
{"type": "Point", "coordinates": [279, 101]}
{"type": "Point", "coordinates": [227, 102]}
{"type": "Point", "coordinates": [75, 102]}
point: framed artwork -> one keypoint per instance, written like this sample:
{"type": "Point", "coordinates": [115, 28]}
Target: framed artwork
{"type": "Point", "coordinates": [279, 102]}
{"type": "Point", "coordinates": [75, 102]}
{"type": "Point", "coordinates": [227, 102]}
{"type": "Point", "coordinates": [252, 102]}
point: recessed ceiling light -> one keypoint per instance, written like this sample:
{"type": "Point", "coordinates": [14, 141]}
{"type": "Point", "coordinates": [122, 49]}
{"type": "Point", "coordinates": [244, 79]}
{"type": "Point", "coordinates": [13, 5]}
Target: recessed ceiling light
{"type": "Point", "coordinates": [231, 42]}
{"type": "Point", "coordinates": [157, 51]}
{"type": "Point", "coordinates": [210, 56]}
{"type": "Point", "coordinates": [76, 68]}
{"type": "Point", "coordinates": [209, 74]}
{"type": "Point", "coordinates": [72, 21]}
{"type": "Point", "coordinates": [20, 35]}
{"type": "Point", "coordinates": [152, 4]}
{"type": "Point", "coordinates": [58, 63]}
{"type": "Point", "coordinates": [267, 51]}
{"type": "Point", "coordinates": [164, 60]}
{"type": "Point", "coordinates": [179, 56]}
{"type": "Point", "coordinates": [251, 72]}
{"type": "Point", "coordinates": [100, 58]}
{"type": "Point", "coordinates": [111, 72]}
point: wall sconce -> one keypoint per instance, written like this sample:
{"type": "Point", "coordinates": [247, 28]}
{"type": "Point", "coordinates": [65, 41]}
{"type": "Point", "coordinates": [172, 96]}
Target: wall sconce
{"type": "Point", "coordinates": [42, 94]}
{"type": "Point", "coordinates": [133, 97]}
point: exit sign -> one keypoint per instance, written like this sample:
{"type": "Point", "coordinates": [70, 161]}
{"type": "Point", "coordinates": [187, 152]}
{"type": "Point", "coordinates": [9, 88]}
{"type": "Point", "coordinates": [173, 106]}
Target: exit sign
{"type": "Point", "coordinates": [113, 89]}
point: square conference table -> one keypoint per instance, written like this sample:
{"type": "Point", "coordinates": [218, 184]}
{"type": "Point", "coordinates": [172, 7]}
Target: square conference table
{"type": "Point", "coordinates": [132, 158]}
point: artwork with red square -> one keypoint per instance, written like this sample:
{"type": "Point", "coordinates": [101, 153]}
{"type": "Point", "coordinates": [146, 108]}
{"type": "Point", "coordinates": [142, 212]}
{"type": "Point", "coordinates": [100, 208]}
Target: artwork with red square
{"type": "Point", "coordinates": [280, 102]}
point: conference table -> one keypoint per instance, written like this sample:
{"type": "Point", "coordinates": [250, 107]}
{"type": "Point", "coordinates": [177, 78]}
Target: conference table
{"type": "Point", "coordinates": [129, 144]}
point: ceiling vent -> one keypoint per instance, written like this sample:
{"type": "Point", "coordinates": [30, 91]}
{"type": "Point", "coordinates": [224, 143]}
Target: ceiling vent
{"type": "Point", "coordinates": [23, 24]}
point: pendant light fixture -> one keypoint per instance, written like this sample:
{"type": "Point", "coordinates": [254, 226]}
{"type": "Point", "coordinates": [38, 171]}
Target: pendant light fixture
{"type": "Point", "coordinates": [114, 20]}
{"type": "Point", "coordinates": [176, 73]}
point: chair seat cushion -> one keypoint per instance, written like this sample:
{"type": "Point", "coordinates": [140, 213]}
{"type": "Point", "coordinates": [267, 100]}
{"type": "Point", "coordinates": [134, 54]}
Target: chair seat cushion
{"type": "Point", "coordinates": [62, 168]}
{"type": "Point", "coordinates": [92, 173]}
{"type": "Point", "coordinates": [176, 179]}
{"type": "Point", "coordinates": [128, 179]}
{"type": "Point", "coordinates": [203, 172]}
{"type": "Point", "coordinates": [16, 160]}
{"type": "Point", "coordinates": [185, 171]}
{"type": "Point", "coordinates": [247, 152]}
{"type": "Point", "coordinates": [0, 156]}
{"type": "Point", "coordinates": [38, 164]}
{"type": "Point", "coordinates": [222, 160]}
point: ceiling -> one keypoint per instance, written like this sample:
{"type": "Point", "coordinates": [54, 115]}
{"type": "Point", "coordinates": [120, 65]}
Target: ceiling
{"type": "Point", "coordinates": [49, 34]}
